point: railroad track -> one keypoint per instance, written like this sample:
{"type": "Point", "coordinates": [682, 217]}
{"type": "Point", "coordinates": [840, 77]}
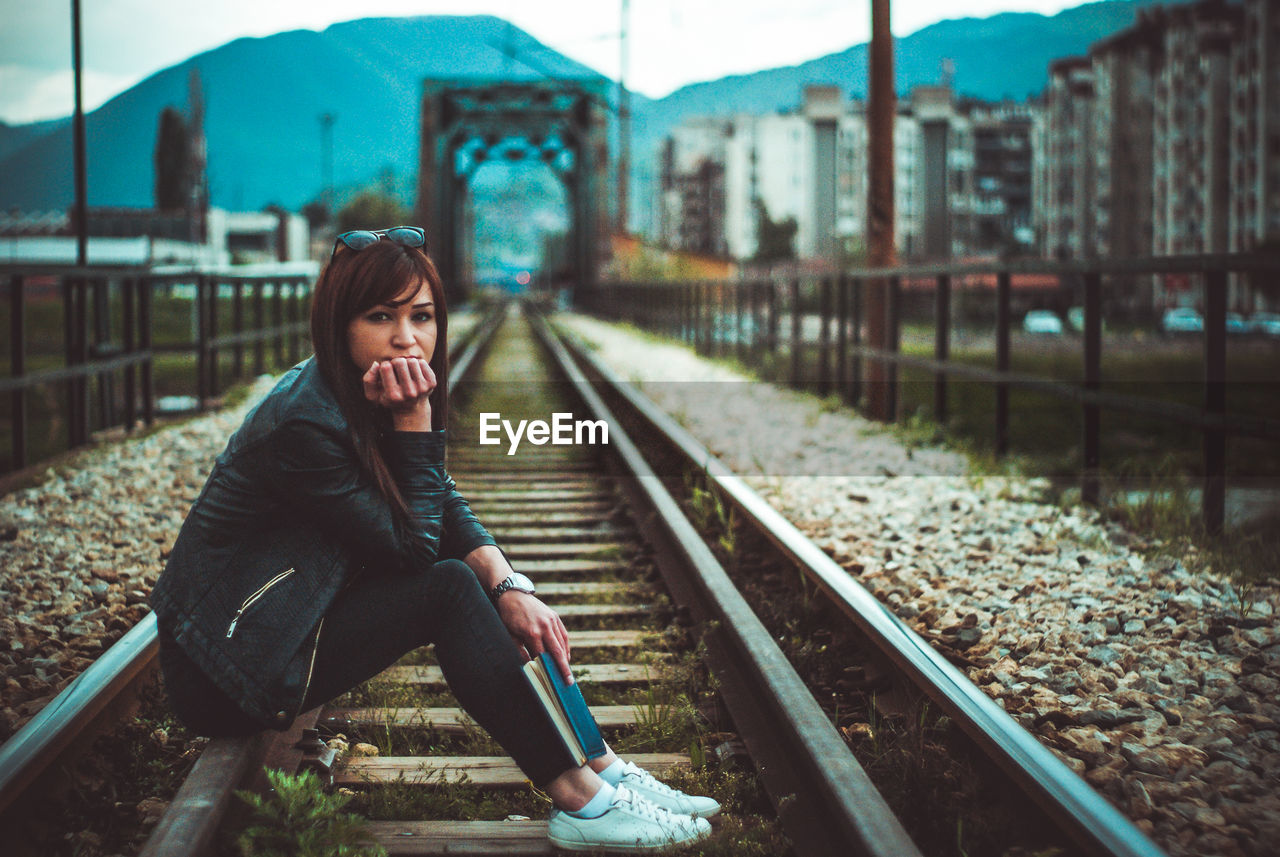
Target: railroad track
{"type": "Point", "coordinates": [588, 525]}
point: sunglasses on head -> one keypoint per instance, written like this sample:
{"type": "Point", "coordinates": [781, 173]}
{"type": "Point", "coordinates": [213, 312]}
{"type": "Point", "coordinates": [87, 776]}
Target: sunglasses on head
{"type": "Point", "coordinates": [358, 239]}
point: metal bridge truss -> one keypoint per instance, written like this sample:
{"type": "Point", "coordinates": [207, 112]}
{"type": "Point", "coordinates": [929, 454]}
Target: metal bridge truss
{"type": "Point", "coordinates": [562, 123]}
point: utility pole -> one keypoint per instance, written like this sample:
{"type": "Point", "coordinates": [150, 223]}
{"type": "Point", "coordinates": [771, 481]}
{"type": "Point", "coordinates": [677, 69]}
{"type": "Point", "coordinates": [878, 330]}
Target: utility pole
{"type": "Point", "coordinates": [624, 123]}
{"type": "Point", "coordinates": [77, 130]}
{"type": "Point", "coordinates": [881, 110]}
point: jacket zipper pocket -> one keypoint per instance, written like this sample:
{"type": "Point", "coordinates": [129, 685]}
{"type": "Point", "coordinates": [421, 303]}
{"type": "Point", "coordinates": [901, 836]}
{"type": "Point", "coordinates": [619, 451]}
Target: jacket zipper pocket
{"type": "Point", "coordinates": [248, 602]}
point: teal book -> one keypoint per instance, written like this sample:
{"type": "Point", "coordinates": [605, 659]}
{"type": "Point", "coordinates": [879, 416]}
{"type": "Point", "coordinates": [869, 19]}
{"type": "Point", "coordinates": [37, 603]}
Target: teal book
{"type": "Point", "coordinates": [567, 708]}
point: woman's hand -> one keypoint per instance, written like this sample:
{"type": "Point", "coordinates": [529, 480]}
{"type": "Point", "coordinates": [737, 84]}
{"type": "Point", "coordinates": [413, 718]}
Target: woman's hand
{"type": "Point", "coordinates": [402, 386]}
{"type": "Point", "coordinates": [536, 626]}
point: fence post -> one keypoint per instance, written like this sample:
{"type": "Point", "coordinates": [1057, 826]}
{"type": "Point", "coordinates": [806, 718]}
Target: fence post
{"type": "Point", "coordinates": [101, 291]}
{"type": "Point", "coordinates": [237, 327]}
{"type": "Point", "coordinates": [753, 321]}
{"type": "Point", "coordinates": [202, 340]}
{"type": "Point", "coordinates": [698, 293]}
{"type": "Point", "coordinates": [686, 313]}
{"type": "Point", "coordinates": [259, 322]}
{"type": "Point", "coordinates": [1213, 507]}
{"type": "Point", "coordinates": [824, 338]}
{"type": "Point", "coordinates": [796, 344]}
{"type": "Point", "coordinates": [214, 351]}
{"type": "Point", "coordinates": [128, 332]}
{"type": "Point", "coordinates": [893, 336]}
{"type": "Point", "coordinates": [1002, 362]}
{"type": "Point", "coordinates": [708, 307]}
{"type": "Point", "coordinates": [771, 307]}
{"type": "Point", "coordinates": [1090, 486]}
{"type": "Point", "coordinates": [295, 338]}
{"type": "Point", "coordinates": [941, 345]}
{"type": "Point", "coordinates": [739, 304]}
{"type": "Point", "coordinates": [719, 318]}
{"type": "Point", "coordinates": [277, 321]}
{"type": "Point", "coordinates": [842, 336]}
{"type": "Point", "coordinates": [17, 368]}
{"type": "Point", "coordinates": [74, 325]}
{"type": "Point", "coordinates": [855, 369]}
{"type": "Point", "coordinates": [145, 287]}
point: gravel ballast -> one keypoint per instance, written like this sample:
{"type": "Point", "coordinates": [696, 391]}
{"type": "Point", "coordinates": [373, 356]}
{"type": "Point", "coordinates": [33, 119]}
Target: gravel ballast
{"type": "Point", "coordinates": [82, 549]}
{"type": "Point", "coordinates": [1157, 685]}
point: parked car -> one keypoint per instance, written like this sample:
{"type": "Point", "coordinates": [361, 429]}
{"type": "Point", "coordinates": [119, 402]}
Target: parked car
{"type": "Point", "coordinates": [1181, 319]}
{"type": "Point", "coordinates": [1042, 321]}
{"type": "Point", "coordinates": [1266, 323]}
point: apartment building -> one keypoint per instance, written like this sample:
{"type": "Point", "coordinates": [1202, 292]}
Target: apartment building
{"type": "Point", "coordinates": [963, 176]}
{"type": "Point", "coordinates": [1165, 140]}
{"type": "Point", "coordinates": [1255, 128]}
{"type": "Point", "coordinates": [769, 171]}
{"type": "Point", "coordinates": [1069, 160]}
{"type": "Point", "coordinates": [691, 193]}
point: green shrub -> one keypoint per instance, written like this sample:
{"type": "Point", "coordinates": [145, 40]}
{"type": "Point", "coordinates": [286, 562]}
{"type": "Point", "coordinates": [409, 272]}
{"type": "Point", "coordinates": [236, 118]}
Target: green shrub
{"type": "Point", "coordinates": [299, 819]}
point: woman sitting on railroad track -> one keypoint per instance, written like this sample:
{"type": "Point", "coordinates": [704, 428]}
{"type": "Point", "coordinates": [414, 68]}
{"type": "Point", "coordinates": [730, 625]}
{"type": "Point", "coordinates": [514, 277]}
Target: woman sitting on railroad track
{"type": "Point", "coordinates": [329, 541]}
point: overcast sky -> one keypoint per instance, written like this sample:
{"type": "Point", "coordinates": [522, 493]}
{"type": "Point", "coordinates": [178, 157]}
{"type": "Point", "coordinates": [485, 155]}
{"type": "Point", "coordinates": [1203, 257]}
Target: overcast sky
{"type": "Point", "coordinates": [672, 42]}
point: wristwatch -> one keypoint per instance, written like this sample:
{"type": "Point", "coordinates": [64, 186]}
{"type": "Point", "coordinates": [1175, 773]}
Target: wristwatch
{"type": "Point", "coordinates": [515, 580]}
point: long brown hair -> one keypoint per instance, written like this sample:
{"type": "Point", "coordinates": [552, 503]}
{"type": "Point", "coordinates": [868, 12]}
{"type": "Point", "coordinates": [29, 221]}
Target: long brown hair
{"type": "Point", "coordinates": [350, 284]}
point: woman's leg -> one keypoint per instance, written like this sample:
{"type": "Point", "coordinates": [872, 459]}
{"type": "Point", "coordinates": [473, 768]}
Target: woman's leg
{"type": "Point", "coordinates": [380, 617]}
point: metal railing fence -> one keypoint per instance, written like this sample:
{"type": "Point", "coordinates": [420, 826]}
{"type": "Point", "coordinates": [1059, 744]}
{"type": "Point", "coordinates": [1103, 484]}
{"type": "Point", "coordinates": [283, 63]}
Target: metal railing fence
{"type": "Point", "coordinates": [759, 320]}
{"type": "Point", "coordinates": [103, 350]}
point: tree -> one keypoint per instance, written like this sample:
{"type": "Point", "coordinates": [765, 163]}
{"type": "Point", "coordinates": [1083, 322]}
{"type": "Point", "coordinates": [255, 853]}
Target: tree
{"type": "Point", "coordinates": [372, 209]}
{"type": "Point", "coordinates": [173, 162]}
{"type": "Point", "coordinates": [775, 240]}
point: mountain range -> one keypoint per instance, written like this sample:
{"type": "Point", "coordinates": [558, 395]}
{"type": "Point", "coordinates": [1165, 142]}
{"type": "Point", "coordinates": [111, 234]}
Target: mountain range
{"type": "Point", "coordinates": [263, 98]}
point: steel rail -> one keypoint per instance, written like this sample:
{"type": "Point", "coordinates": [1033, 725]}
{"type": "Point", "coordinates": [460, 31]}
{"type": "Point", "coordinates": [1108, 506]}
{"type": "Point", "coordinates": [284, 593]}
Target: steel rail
{"type": "Point", "coordinates": [190, 823]}
{"type": "Point", "coordinates": [1083, 814]}
{"type": "Point", "coordinates": [39, 743]}
{"type": "Point", "coordinates": [824, 799]}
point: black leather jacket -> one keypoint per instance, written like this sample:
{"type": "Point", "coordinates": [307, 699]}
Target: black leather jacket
{"type": "Point", "coordinates": [284, 520]}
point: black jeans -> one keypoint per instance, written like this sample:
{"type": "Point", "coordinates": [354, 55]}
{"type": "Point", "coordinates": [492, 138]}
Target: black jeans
{"type": "Point", "coordinates": [374, 621]}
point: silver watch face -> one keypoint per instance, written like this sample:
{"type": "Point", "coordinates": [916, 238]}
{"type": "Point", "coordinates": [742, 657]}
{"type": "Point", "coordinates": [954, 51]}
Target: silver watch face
{"type": "Point", "coordinates": [520, 582]}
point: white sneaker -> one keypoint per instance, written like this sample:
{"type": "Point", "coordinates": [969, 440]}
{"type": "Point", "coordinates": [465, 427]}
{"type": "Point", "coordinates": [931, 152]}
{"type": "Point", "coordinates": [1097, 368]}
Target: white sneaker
{"type": "Point", "coordinates": [647, 785]}
{"type": "Point", "coordinates": [631, 823]}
